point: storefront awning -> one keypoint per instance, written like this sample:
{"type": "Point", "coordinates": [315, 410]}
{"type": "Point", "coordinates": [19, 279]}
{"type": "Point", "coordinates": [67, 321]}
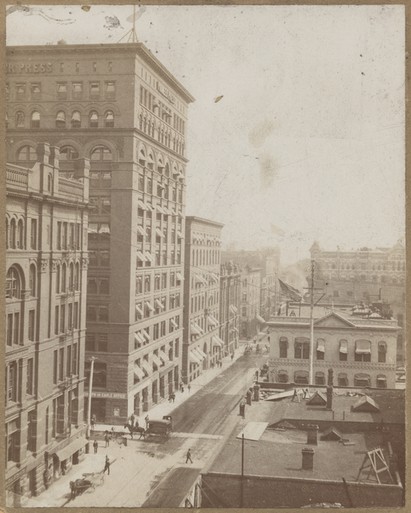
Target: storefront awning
{"type": "Point", "coordinates": [140, 256]}
{"type": "Point", "coordinates": [201, 353]}
{"type": "Point", "coordinates": [138, 337]}
{"type": "Point", "coordinates": [163, 356]}
{"type": "Point", "coordinates": [157, 361]}
{"type": "Point", "coordinates": [149, 257]}
{"type": "Point", "coordinates": [321, 345]}
{"type": "Point", "coordinates": [159, 304]}
{"type": "Point", "coordinates": [260, 319]}
{"type": "Point", "coordinates": [151, 207]}
{"type": "Point", "coordinates": [343, 346]}
{"type": "Point", "coordinates": [195, 329]}
{"type": "Point", "coordinates": [141, 230]}
{"type": "Point", "coordinates": [138, 372]}
{"type": "Point", "coordinates": [147, 367]}
{"type": "Point", "coordinates": [66, 452]}
{"type": "Point", "coordinates": [362, 346]}
{"type": "Point", "coordinates": [142, 205]}
{"type": "Point", "coordinates": [149, 306]}
{"type": "Point", "coordinates": [233, 309]}
{"type": "Point", "coordinates": [217, 342]}
{"type": "Point", "coordinates": [194, 358]}
{"type": "Point", "coordinates": [381, 378]}
{"type": "Point", "coordinates": [212, 320]}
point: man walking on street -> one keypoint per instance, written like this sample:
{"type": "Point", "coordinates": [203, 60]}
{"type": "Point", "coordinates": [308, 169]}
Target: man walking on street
{"type": "Point", "coordinates": [188, 456]}
{"type": "Point", "coordinates": [95, 445]}
{"type": "Point", "coordinates": [189, 388]}
{"type": "Point", "coordinates": [107, 439]}
{"type": "Point", "coordinates": [107, 466]}
{"type": "Point", "coordinates": [147, 421]}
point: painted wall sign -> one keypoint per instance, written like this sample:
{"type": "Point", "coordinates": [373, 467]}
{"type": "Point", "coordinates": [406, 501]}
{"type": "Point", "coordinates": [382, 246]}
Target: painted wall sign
{"type": "Point", "coordinates": [30, 68]}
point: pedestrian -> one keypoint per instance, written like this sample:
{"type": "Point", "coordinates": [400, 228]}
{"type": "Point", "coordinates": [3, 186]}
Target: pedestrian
{"type": "Point", "coordinates": [173, 396]}
{"type": "Point", "coordinates": [107, 439]}
{"type": "Point", "coordinates": [147, 421]}
{"type": "Point", "coordinates": [232, 356]}
{"type": "Point", "coordinates": [189, 387]}
{"type": "Point", "coordinates": [107, 465]}
{"type": "Point", "coordinates": [95, 445]}
{"type": "Point", "coordinates": [93, 421]}
{"type": "Point", "coordinates": [113, 433]}
{"type": "Point", "coordinates": [294, 395]}
{"type": "Point", "coordinates": [188, 456]}
{"type": "Point", "coordinates": [72, 490]}
{"type": "Point", "coordinates": [132, 419]}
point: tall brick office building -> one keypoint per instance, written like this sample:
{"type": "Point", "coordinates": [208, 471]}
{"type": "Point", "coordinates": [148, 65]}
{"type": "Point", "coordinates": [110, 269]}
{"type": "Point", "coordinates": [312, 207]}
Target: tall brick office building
{"type": "Point", "coordinates": [120, 107]}
{"type": "Point", "coordinates": [46, 273]}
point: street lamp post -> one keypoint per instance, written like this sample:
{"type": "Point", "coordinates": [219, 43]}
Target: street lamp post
{"type": "Point", "coordinates": [90, 388]}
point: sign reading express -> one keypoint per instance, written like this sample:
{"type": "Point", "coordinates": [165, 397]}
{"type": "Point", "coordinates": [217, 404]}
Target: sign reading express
{"type": "Point", "coordinates": [30, 68]}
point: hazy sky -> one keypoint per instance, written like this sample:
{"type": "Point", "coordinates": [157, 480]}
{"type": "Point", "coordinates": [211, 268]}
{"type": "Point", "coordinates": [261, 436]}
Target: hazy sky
{"type": "Point", "coordinates": [308, 140]}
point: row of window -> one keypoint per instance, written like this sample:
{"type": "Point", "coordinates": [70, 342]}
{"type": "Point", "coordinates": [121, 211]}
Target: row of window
{"type": "Point", "coordinates": [67, 277]}
{"type": "Point", "coordinates": [66, 318]}
{"type": "Point", "coordinates": [15, 233]}
{"type": "Point", "coordinates": [61, 120]}
{"type": "Point", "coordinates": [146, 309]}
{"type": "Point", "coordinates": [161, 133]}
{"type": "Point", "coordinates": [165, 189]}
{"type": "Point", "coordinates": [15, 282]}
{"type": "Point", "coordinates": [161, 110]}
{"type": "Point", "coordinates": [389, 266]}
{"type": "Point", "coordinates": [99, 258]}
{"type": "Point", "coordinates": [160, 357]}
{"type": "Point", "coordinates": [360, 380]}
{"type": "Point", "coordinates": [198, 302]}
{"type": "Point", "coordinates": [64, 91]}
{"type": "Point", "coordinates": [362, 352]}
{"type": "Point", "coordinates": [14, 380]}
{"type": "Point", "coordinates": [28, 153]}
{"type": "Point", "coordinates": [146, 158]}
{"type": "Point", "coordinates": [65, 362]}
{"type": "Point", "coordinates": [201, 257]}
{"type": "Point", "coordinates": [147, 259]}
{"type": "Point", "coordinates": [161, 281]}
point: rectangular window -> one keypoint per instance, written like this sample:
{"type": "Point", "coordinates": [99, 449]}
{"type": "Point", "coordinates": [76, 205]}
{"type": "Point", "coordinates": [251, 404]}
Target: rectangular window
{"type": "Point", "coordinates": [64, 236]}
{"type": "Point", "coordinates": [68, 361]}
{"type": "Point", "coordinates": [58, 234]}
{"type": "Point", "coordinates": [10, 329]}
{"type": "Point", "coordinates": [33, 234]}
{"type": "Point", "coordinates": [56, 320]}
{"type": "Point", "coordinates": [61, 364]}
{"type": "Point", "coordinates": [110, 90]}
{"type": "Point", "coordinates": [16, 331]}
{"type": "Point", "coordinates": [55, 366]}
{"type": "Point", "coordinates": [12, 382]}
{"type": "Point", "coordinates": [63, 319]}
{"type": "Point", "coordinates": [31, 324]}
{"type": "Point", "coordinates": [75, 322]}
{"type": "Point", "coordinates": [31, 431]}
{"type": "Point", "coordinates": [155, 331]}
{"type": "Point", "coordinates": [70, 316]}
{"type": "Point", "coordinates": [13, 441]}
{"type": "Point", "coordinates": [20, 91]}
{"type": "Point", "coordinates": [74, 368]}
{"type": "Point", "coordinates": [35, 90]}
{"type": "Point", "coordinates": [77, 90]}
{"type": "Point", "coordinates": [62, 90]}
{"type": "Point", "coordinates": [163, 329]}
{"type": "Point", "coordinates": [30, 377]}
{"type": "Point", "coordinates": [94, 90]}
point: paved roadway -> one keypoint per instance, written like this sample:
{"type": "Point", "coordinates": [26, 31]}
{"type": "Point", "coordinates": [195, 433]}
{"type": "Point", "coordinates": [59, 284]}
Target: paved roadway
{"type": "Point", "coordinates": [139, 474]}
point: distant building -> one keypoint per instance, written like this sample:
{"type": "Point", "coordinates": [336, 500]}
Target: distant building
{"type": "Point", "coordinates": [268, 260]}
{"type": "Point", "coordinates": [230, 296]}
{"type": "Point", "coordinates": [365, 275]}
{"type": "Point", "coordinates": [202, 346]}
{"type": "Point", "coordinates": [46, 277]}
{"type": "Point", "coordinates": [251, 320]}
{"type": "Point", "coordinates": [362, 352]}
{"type": "Point", "coordinates": [317, 451]}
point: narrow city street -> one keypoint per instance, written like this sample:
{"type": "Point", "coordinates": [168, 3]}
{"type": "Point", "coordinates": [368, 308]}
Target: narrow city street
{"type": "Point", "coordinates": [201, 422]}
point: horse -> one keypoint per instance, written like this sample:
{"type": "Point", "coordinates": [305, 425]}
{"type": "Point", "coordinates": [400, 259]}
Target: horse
{"type": "Point", "coordinates": [135, 429]}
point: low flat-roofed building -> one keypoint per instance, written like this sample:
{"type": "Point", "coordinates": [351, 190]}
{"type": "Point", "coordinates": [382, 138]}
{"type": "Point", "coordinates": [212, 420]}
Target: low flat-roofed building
{"type": "Point", "coordinates": [311, 454]}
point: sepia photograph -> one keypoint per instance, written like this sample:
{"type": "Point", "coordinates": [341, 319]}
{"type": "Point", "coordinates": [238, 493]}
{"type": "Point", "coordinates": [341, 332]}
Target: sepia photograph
{"type": "Point", "coordinates": [205, 256]}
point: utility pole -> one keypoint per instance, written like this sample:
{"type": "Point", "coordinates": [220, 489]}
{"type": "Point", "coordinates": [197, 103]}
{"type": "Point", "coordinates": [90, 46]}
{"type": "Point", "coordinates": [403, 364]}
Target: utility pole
{"type": "Point", "coordinates": [311, 372]}
{"type": "Point", "coordinates": [242, 473]}
{"type": "Point", "coordinates": [90, 388]}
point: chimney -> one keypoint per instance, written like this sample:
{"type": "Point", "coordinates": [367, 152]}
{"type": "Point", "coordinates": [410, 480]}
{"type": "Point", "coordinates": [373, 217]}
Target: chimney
{"type": "Point", "coordinates": [312, 434]}
{"type": "Point", "coordinates": [308, 458]}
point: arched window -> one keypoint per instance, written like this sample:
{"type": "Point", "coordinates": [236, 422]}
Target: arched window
{"type": "Point", "coordinates": [167, 169]}
{"type": "Point", "coordinates": [301, 348]}
{"type": "Point", "coordinates": [50, 182]}
{"type": "Point", "coordinates": [13, 284]}
{"type": "Point", "coordinates": [320, 349]}
{"type": "Point", "coordinates": [101, 153]}
{"type": "Point", "coordinates": [142, 157]}
{"type": "Point", "coordinates": [32, 280]}
{"type": "Point", "coordinates": [76, 119]}
{"type": "Point", "coordinates": [61, 119]}
{"type": "Point", "coordinates": [282, 376]}
{"type": "Point", "coordinates": [382, 352]}
{"type": "Point", "coordinates": [13, 233]}
{"type": "Point", "coordinates": [20, 234]}
{"type": "Point", "coordinates": [362, 380]}
{"type": "Point", "coordinates": [150, 161]}
{"type": "Point", "coordinates": [27, 154]}
{"type": "Point", "coordinates": [68, 153]}
{"type": "Point", "coordinates": [20, 119]}
{"type": "Point", "coordinates": [7, 233]}
{"type": "Point", "coordinates": [35, 119]}
{"type": "Point", "coordinates": [284, 348]}
{"type": "Point", "coordinates": [301, 377]}
{"type": "Point", "coordinates": [93, 119]}
{"type": "Point", "coordinates": [109, 119]}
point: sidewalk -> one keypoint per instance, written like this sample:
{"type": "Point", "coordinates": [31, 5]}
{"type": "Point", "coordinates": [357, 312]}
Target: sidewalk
{"type": "Point", "coordinates": [58, 494]}
{"type": "Point", "coordinates": [165, 407]}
